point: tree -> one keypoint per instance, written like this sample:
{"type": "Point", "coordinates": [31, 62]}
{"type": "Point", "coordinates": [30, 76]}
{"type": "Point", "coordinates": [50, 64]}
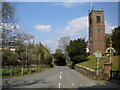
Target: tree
{"type": "Point", "coordinates": [77, 51]}
{"type": "Point", "coordinates": [11, 35]}
{"type": "Point", "coordinates": [63, 42]}
{"type": "Point", "coordinates": [36, 54]}
{"type": "Point", "coordinates": [8, 13]}
{"type": "Point", "coordinates": [116, 39]}
{"type": "Point", "coordinates": [59, 58]}
{"type": "Point", "coordinates": [107, 40]}
{"type": "Point", "coordinates": [8, 18]}
{"type": "Point", "coordinates": [9, 58]}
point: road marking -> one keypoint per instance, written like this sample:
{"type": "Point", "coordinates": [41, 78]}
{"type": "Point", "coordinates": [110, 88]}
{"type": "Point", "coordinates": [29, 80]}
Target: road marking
{"type": "Point", "coordinates": [59, 84]}
{"type": "Point", "coordinates": [60, 76]}
{"type": "Point", "coordinates": [103, 83]}
{"type": "Point", "coordinates": [60, 72]}
{"type": "Point", "coordinates": [73, 84]}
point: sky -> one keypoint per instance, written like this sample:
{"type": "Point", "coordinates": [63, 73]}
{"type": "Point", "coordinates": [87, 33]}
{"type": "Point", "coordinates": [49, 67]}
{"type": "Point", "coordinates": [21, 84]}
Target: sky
{"type": "Point", "coordinates": [50, 21]}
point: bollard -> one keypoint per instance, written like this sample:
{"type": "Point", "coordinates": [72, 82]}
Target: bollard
{"type": "Point", "coordinates": [107, 69]}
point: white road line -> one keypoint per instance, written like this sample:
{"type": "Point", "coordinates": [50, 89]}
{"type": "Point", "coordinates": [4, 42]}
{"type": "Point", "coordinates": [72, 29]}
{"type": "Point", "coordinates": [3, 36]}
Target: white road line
{"type": "Point", "coordinates": [60, 72]}
{"type": "Point", "coordinates": [60, 76]}
{"type": "Point", "coordinates": [73, 84]}
{"type": "Point", "coordinates": [59, 84]}
{"type": "Point", "coordinates": [103, 83]}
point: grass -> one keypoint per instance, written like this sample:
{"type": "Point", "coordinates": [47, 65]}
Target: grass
{"type": "Point", "coordinates": [92, 63]}
{"type": "Point", "coordinates": [16, 71]}
{"type": "Point", "coordinates": [69, 63]}
{"type": "Point", "coordinates": [116, 63]}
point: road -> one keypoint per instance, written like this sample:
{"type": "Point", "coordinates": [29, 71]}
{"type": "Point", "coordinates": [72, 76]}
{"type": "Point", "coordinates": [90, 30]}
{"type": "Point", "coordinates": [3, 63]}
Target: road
{"type": "Point", "coordinates": [57, 77]}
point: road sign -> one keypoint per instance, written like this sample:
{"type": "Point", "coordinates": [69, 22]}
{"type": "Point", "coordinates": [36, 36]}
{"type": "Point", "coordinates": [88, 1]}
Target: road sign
{"type": "Point", "coordinates": [98, 54]}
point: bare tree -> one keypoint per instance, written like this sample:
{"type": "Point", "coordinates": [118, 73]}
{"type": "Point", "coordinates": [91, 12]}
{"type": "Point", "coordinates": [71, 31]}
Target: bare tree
{"type": "Point", "coordinates": [63, 42]}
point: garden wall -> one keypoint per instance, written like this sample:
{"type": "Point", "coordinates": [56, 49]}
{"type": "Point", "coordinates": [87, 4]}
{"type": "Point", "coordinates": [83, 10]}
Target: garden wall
{"type": "Point", "coordinates": [89, 72]}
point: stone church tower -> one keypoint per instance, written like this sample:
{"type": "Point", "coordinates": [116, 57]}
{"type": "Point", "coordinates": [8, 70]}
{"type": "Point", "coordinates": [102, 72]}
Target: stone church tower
{"type": "Point", "coordinates": [96, 31]}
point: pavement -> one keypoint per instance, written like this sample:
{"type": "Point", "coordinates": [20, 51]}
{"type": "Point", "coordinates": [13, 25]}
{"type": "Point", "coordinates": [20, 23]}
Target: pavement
{"type": "Point", "coordinates": [57, 77]}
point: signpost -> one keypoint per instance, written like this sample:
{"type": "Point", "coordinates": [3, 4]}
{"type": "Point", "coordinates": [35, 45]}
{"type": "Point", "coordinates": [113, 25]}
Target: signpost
{"type": "Point", "coordinates": [110, 50]}
{"type": "Point", "coordinates": [98, 54]}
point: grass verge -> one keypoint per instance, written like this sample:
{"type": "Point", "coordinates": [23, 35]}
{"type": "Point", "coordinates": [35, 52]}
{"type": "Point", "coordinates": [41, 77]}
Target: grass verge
{"type": "Point", "coordinates": [92, 63]}
{"type": "Point", "coordinates": [17, 71]}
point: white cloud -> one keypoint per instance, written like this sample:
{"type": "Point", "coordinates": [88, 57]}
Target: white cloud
{"type": "Point", "coordinates": [68, 4]}
{"type": "Point", "coordinates": [43, 28]}
{"type": "Point", "coordinates": [80, 26]}
{"type": "Point", "coordinates": [48, 41]}
{"type": "Point", "coordinates": [75, 26]}
{"type": "Point", "coordinates": [109, 27]}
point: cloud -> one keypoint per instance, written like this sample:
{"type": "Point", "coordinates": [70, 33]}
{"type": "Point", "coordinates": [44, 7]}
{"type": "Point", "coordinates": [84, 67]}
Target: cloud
{"type": "Point", "coordinates": [109, 27]}
{"type": "Point", "coordinates": [68, 4]}
{"type": "Point", "coordinates": [43, 28]}
{"type": "Point", "coordinates": [48, 41]}
{"type": "Point", "coordinates": [79, 26]}
{"type": "Point", "coordinates": [75, 26]}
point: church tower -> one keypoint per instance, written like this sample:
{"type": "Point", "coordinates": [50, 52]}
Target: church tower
{"type": "Point", "coordinates": [96, 31]}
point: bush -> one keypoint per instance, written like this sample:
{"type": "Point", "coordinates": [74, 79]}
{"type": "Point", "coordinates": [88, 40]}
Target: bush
{"type": "Point", "coordinates": [25, 71]}
{"type": "Point", "coordinates": [5, 72]}
{"type": "Point", "coordinates": [9, 58]}
{"type": "Point", "coordinates": [33, 70]}
{"type": "Point", "coordinates": [16, 71]}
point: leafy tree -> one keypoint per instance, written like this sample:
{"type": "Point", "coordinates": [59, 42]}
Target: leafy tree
{"type": "Point", "coordinates": [9, 58]}
{"type": "Point", "coordinates": [107, 40]}
{"type": "Point", "coordinates": [77, 51]}
{"type": "Point", "coordinates": [13, 37]}
{"type": "Point", "coordinates": [59, 58]}
{"type": "Point", "coordinates": [116, 39]}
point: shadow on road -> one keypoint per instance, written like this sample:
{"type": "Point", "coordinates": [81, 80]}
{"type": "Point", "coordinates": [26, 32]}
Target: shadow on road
{"type": "Point", "coordinates": [103, 86]}
{"type": "Point", "coordinates": [19, 83]}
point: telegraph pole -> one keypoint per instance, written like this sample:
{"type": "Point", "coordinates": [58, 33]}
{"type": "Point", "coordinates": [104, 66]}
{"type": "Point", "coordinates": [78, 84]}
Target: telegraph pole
{"type": "Point", "coordinates": [26, 55]}
{"type": "Point", "coordinates": [110, 49]}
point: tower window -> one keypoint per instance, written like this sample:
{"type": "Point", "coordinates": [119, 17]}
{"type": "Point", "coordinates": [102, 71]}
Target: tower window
{"type": "Point", "coordinates": [98, 19]}
{"type": "Point", "coordinates": [90, 21]}
{"type": "Point", "coordinates": [98, 31]}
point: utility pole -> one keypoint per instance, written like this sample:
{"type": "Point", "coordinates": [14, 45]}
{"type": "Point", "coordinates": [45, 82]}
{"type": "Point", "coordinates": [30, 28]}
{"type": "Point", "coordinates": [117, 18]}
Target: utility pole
{"type": "Point", "coordinates": [97, 66]}
{"type": "Point", "coordinates": [39, 57]}
{"type": "Point", "coordinates": [110, 49]}
{"type": "Point", "coordinates": [53, 60]}
{"type": "Point", "coordinates": [26, 55]}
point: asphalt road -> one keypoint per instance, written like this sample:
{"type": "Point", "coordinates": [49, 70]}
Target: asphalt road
{"type": "Point", "coordinates": [57, 77]}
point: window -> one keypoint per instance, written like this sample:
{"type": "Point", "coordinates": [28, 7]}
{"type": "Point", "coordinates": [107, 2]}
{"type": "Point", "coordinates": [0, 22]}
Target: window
{"type": "Point", "coordinates": [98, 31]}
{"type": "Point", "coordinates": [98, 19]}
{"type": "Point", "coordinates": [90, 21]}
